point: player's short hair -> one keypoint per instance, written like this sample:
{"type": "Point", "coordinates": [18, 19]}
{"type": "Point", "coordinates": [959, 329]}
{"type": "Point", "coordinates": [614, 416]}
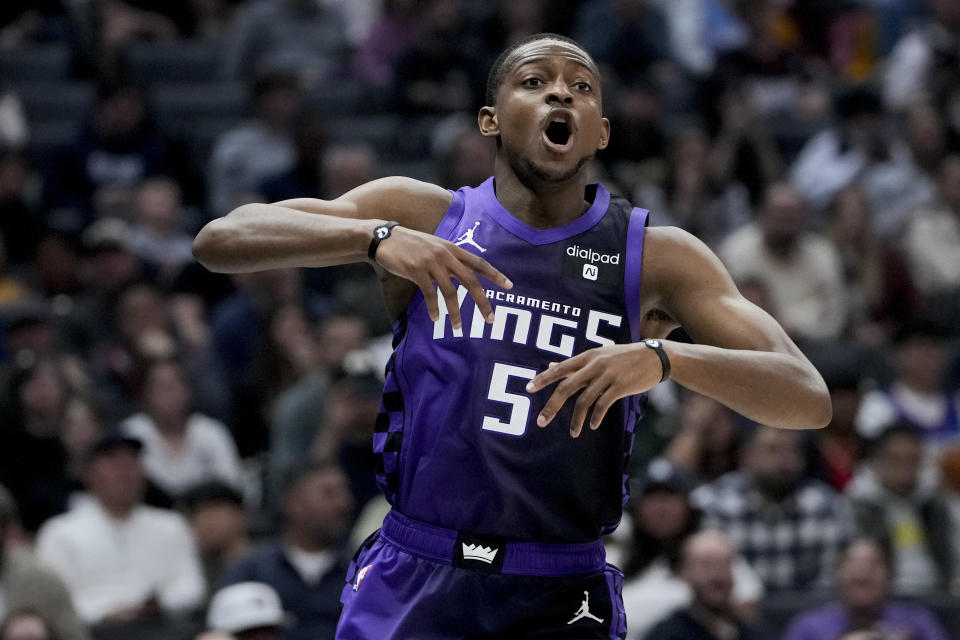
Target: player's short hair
{"type": "Point", "coordinates": [498, 71]}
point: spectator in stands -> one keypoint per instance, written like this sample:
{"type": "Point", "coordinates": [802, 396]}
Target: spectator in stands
{"type": "Point", "coordinates": [692, 196]}
{"type": "Point", "coordinates": [343, 434]}
{"type": "Point", "coordinates": [442, 74]}
{"type": "Point", "coordinates": [706, 565]}
{"type": "Point", "coordinates": [932, 238]}
{"type": "Point", "coordinates": [21, 217]}
{"type": "Point", "coordinates": [139, 335]}
{"type": "Point", "coordinates": [97, 172]}
{"type": "Point", "coordinates": [347, 166]}
{"type": "Point", "coordinates": [880, 291]}
{"type": "Point", "coordinates": [14, 130]}
{"type": "Point", "coordinates": [297, 411]}
{"type": "Point", "coordinates": [24, 624]}
{"type": "Point", "coordinates": [663, 519]}
{"type": "Point", "coordinates": [305, 178]}
{"type": "Point", "coordinates": [26, 585]}
{"type": "Point", "coordinates": [462, 155]}
{"type": "Point", "coordinates": [862, 583]}
{"type": "Point", "coordinates": [799, 269]}
{"type": "Point", "coordinates": [182, 448]}
{"type": "Point", "coordinates": [630, 37]}
{"type": "Point", "coordinates": [32, 458]}
{"type": "Point", "coordinates": [394, 34]}
{"type": "Point", "coordinates": [923, 63]}
{"type": "Point", "coordinates": [122, 561]}
{"type": "Point", "coordinates": [894, 504]}
{"type": "Point", "coordinates": [293, 36]}
{"type": "Point", "coordinates": [247, 155]}
{"type": "Point", "coordinates": [107, 268]}
{"type": "Point", "coordinates": [306, 564]}
{"type": "Point", "coordinates": [707, 439]}
{"type": "Point", "coordinates": [916, 396]}
{"type": "Point", "coordinates": [838, 448]}
{"type": "Point", "coordinates": [248, 611]}
{"type": "Point", "coordinates": [288, 352]}
{"type": "Point", "coordinates": [81, 425]}
{"type": "Point", "coordinates": [788, 526]}
{"type": "Point", "coordinates": [926, 135]}
{"type": "Point", "coordinates": [158, 236]}
{"type": "Point", "coordinates": [863, 149]}
{"type": "Point", "coordinates": [219, 522]}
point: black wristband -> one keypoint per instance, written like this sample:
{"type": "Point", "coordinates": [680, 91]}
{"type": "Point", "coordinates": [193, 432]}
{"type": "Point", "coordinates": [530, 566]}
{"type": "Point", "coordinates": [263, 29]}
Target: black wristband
{"type": "Point", "coordinates": [657, 347]}
{"type": "Point", "coordinates": [380, 234]}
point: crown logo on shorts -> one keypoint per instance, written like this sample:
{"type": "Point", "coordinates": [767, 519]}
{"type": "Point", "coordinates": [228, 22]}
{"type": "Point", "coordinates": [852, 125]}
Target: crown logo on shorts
{"type": "Point", "coordinates": [476, 552]}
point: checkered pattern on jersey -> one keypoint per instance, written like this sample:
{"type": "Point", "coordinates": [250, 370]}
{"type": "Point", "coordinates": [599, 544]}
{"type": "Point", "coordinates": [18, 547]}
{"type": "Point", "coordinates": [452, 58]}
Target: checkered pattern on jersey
{"type": "Point", "coordinates": [792, 544]}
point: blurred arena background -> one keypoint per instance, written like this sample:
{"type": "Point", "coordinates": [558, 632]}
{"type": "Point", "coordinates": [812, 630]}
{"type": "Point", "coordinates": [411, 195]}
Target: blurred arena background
{"type": "Point", "coordinates": [813, 144]}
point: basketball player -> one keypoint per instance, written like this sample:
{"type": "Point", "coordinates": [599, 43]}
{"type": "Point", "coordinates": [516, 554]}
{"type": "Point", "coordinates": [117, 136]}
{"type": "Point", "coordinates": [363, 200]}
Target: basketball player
{"type": "Point", "coordinates": [499, 493]}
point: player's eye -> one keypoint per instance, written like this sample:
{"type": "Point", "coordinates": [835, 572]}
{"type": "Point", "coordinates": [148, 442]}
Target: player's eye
{"type": "Point", "coordinates": [532, 82]}
{"type": "Point", "coordinates": [582, 86]}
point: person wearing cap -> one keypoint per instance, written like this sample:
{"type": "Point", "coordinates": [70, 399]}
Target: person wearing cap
{"type": "Point", "coordinates": [247, 611]}
{"type": "Point", "coordinates": [917, 396]}
{"type": "Point", "coordinates": [26, 585]}
{"type": "Point", "coordinates": [663, 519]}
{"type": "Point", "coordinates": [306, 563]}
{"type": "Point", "coordinates": [122, 560]}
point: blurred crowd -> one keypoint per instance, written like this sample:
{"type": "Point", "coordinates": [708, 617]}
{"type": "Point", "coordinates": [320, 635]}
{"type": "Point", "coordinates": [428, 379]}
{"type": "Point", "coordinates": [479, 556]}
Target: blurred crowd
{"type": "Point", "coordinates": [186, 452]}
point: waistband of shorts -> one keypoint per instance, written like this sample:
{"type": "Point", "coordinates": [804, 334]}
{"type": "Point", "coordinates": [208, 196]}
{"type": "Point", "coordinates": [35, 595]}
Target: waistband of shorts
{"type": "Point", "coordinates": [492, 555]}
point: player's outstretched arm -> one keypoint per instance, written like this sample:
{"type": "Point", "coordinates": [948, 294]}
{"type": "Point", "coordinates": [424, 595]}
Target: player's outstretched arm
{"type": "Point", "coordinates": [316, 233]}
{"type": "Point", "coordinates": [743, 358]}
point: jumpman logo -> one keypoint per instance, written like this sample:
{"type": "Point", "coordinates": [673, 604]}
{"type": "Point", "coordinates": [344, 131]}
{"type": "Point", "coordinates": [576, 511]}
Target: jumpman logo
{"type": "Point", "coordinates": [584, 610]}
{"type": "Point", "coordinates": [467, 237]}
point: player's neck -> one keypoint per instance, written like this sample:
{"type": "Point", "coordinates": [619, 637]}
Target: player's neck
{"type": "Point", "coordinates": [545, 205]}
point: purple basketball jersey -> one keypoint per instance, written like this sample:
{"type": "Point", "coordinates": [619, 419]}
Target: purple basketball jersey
{"type": "Point", "coordinates": [457, 435]}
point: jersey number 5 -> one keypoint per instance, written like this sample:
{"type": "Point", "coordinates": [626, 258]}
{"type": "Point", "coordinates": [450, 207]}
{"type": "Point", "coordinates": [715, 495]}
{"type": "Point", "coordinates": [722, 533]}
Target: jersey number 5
{"type": "Point", "coordinates": [519, 404]}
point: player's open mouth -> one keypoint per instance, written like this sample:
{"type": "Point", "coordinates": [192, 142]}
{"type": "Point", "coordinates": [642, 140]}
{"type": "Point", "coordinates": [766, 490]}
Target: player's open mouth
{"type": "Point", "coordinates": [558, 136]}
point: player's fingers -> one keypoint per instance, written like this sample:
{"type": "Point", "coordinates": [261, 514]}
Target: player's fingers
{"type": "Point", "coordinates": [481, 266]}
{"type": "Point", "coordinates": [584, 401]}
{"type": "Point", "coordinates": [450, 297]}
{"type": "Point", "coordinates": [555, 371]}
{"type": "Point", "coordinates": [476, 291]}
{"type": "Point", "coordinates": [602, 405]}
{"type": "Point", "coordinates": [429, 297]}
{"type": "Point", "coordinates": [566, 388]}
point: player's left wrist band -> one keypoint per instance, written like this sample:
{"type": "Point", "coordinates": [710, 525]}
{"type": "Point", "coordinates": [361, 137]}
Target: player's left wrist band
{"type": "Point", "coordinates": [380, 234]}
{"type": "Point", "coordinates": [657, 347]}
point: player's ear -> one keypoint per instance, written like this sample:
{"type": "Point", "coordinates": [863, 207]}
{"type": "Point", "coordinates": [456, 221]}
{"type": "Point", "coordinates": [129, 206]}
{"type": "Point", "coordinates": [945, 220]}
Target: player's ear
{"type": "Point", "coordinates": [487, 120]}
{"type": "Point", "coordinates": [604, 133]}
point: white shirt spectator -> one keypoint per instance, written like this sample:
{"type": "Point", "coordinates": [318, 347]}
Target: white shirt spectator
{"type": "Point", "coordinates": [110, 565]}
{"type": "Point", "coordinates": [806, 290]}
{"type": "Point", "coordinates": [657, 592]}
{"type": "Point", "coordinates": [241, 159]}
{"type": "Point", "coordinates": [895, 186]}
{"type": "Point", "coordinates": [932, 245]}
{"type": "Point", "coordinates": [206, 453]}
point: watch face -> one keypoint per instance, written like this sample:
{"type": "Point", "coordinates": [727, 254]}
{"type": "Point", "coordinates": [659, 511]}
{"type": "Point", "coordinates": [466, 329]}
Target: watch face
{"type": "Point", "coordinates": [382, 232]}
{"type": "Point", "coordinates": [652, 343]}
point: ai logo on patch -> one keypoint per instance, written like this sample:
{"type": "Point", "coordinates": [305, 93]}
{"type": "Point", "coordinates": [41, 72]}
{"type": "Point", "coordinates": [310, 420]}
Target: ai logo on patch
{"type": "Point", "coordinates": [591, 271]}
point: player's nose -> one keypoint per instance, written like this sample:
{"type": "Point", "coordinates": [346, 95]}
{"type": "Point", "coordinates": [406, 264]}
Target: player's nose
{"type": "Point", "coordinates": [559, 93]}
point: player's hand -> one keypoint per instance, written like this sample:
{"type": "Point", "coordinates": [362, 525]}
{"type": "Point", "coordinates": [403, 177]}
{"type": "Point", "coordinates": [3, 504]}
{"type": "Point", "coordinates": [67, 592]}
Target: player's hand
{"type": "Point", "coordinates": [602, 376]}
{"type": "Point", "coordinates": [425, 259]}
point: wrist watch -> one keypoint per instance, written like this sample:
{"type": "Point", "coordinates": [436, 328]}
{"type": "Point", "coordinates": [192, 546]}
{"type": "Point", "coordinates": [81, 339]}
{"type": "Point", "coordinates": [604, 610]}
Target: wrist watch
{"type": "Point", "coordinates": [380, 234]}
{"type": "Point", "coordinates": [657, 347]}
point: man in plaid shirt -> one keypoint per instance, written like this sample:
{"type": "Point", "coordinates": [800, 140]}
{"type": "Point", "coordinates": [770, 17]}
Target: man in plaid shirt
{"type": "Point", "coordinates": [788, 527]}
